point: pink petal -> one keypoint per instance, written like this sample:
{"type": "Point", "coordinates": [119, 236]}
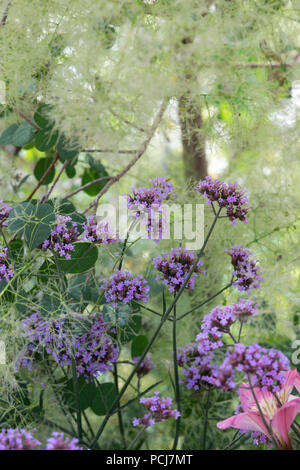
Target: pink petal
{"type": "Point", "coordinates": [296, 379]}
{"type": "Point", "coordinates": [292, 379]}
{"type": "Point", "coordinates": [250, 421]}
{"type": "Point", "coordinates": [246, 397]}
{"type": "Point", "coordinates": [284, 418]}
{"type": "Point", "coordinates": [247, 400]}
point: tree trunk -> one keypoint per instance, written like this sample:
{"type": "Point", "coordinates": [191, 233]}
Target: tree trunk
{"type": "Point", "coordinates": [193, 139]}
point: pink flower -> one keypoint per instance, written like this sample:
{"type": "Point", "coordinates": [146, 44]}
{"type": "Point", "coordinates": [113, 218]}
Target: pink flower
{"type": "Point", "coordinates": [279, 410]}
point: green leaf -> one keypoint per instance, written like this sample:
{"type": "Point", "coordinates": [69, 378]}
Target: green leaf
{"type": "Point", "coordinates": [83, 258]}
{"type": "Point", "coordinates": [34, 222]}
{"type": "Point", "coordinates": [23, 135]}
{"type": "Point", "coordinates": [6, 137]}
{"type": "Point", "coordinates": [87, 392]}
{"type": "Point", "coordinates": [49, 305]}
{"type": "Point", "coordinates": [41, 117]}
{"type": "Point", "coordinates": [83, 288]}
{"type": "Point", "coordinates": [66, 150]}
{"type": "Point", "coordinates": [41, 167]}
{"type": "Point", "coordinates": [104, 398]}
{"type": "Point", "coordinates": [138, 345]}
{"type": "Point", "coordinates": [96, 170]}
{"type": "Point", "coordinates": [125, 318]}
{"type": "Point", "coordinates": [44, 141]}
{"type": "Point", "coordinates": [70, 171]}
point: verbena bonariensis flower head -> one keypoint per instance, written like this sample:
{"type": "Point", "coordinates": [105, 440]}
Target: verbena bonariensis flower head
{"type": "Point", "coordinates": [95, 351]}
{"type": "Point", "coordinates": [220, 318]}
{"type": "Point", "coordinates": [159, 408]}
{"type": "Point", "coordinates": [123, 287]}
{"type": "Point", "coordinates": [17, 439]}
{"type": "Point", "coordinates": [279, 410]}
{"type": "Point", "coordinates": [143, 199]}
{"type": "Point", "coordinates": [165, 187]}
{"type": "Point", "coordinates": [61, 240]}
{"type": "Point", "coordinates": [6, 269]}
{"type": "Point", "coordinates": [45, 336]}
{"type": "Point", "coordinates": [4, 213]}
{"type": "Point", "coordinates": [98, 232]}
{"type": "Point", "coordinates": [247, 272]}
{"type": "Point", "coordinates": [174, 267]}
{"type": "Point", "coordinates": [265, 367]}
{"type": "Point", "coordinates": [229, 196]}
{"type": "Point", "coordinates": [58, 441]}
{"type": "Point", "coordinates": [145, 367]}
{"type": "Point", "coordinates": [148, 205]}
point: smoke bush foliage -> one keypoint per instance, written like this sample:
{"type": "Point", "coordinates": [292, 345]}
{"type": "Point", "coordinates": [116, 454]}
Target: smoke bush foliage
{"type": "Point", "coordinates": [87, 78]}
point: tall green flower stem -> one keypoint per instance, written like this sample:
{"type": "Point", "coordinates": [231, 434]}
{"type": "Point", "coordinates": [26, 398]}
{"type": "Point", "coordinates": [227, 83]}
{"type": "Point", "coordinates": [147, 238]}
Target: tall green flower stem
{"type": "Point", "coordinates": [157, 331]}
{"type": "Point", "coordinates": [176, 380]}
{"type": "Point", "coordinates": [77, 399]}
{"type": "Point", "coordinates": [137, 438]}
{"type": "Point", "coordinates": [115, 369]}
{"type": "Point", "coordinates": [206, 420]}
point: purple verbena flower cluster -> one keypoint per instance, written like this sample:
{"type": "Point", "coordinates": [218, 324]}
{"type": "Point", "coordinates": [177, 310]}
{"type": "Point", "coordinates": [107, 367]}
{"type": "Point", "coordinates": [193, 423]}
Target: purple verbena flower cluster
{"type": "Point", "coordinates": [143, 199]}
{"type": "Point", "coordinates": [147, 204]}
{"type": "Point", "coordinates": [123, 287]}
{"type": "Point", "coordinates": [44, 336]}
{"type": "Point", "coordinates": [229, 196]}
{"type": "Point", "coordinates": [247, 273]}
{"type": "Point", "coordinates": [220, 319]}
{"type": "Point", "coordinates": [17, 439]}
{"type": "Point", "coordinates": [197, 365]}
{"type": "Point", "coordinates": [95, 351]}
{"type": "Point", "coordinates": [98, 232]}
{"type": "Point", "coordinates": [58, 441]}
{"type": "Point", "coordinates": [61, 240]}
{"type": "Point", "coordinates": [174, 267]}
{"type": "Point", "coordinates": [4, 213]}
{"type": "Point", "coordinates": [159, 408]}
{"type": "Point", "coordinates": [145, 367]}
{"type": "Point", "coordinates": [260, 439]}
{"type": "Point", "coordinates": [20, 439]}
{"type": "Point", "coordinates": [6, 269]}
{"type": "Point", "coordinates": [201, 368]}
{"type": "Point", "coordinates": [265, 366]}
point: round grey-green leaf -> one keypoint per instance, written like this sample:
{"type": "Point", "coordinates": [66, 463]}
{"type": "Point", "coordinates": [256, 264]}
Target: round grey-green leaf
{"type": "Point", "coordinates": [82, 259]}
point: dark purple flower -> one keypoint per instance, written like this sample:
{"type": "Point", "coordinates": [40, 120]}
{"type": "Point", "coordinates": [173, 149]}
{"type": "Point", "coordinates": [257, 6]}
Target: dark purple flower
{"type": "Point", "coordinates": [174, 267]}
{"type": "Point", "coordinates": [61, 240]}
{"type": "Point", "coordinates": [229, 196]}
{"type": "Point", "coordinates": [145, 367]}
{"type": "Point", "coordinates": [95, 350]}
{"type": "Point", "coordinates": [6, 269]}
{"type": "Point", "coordinates": [123, 287]}
{"type": "Point", "coordinates": [247, 272]}
{"type": "Point", "coordinates": [98, 232]}
{"type": "Point", "coordinates": [4, 213]}
{"type": "Point", "coordinates": [17, 439]}
{"type": "Point", "coordinates": [159, 409]}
